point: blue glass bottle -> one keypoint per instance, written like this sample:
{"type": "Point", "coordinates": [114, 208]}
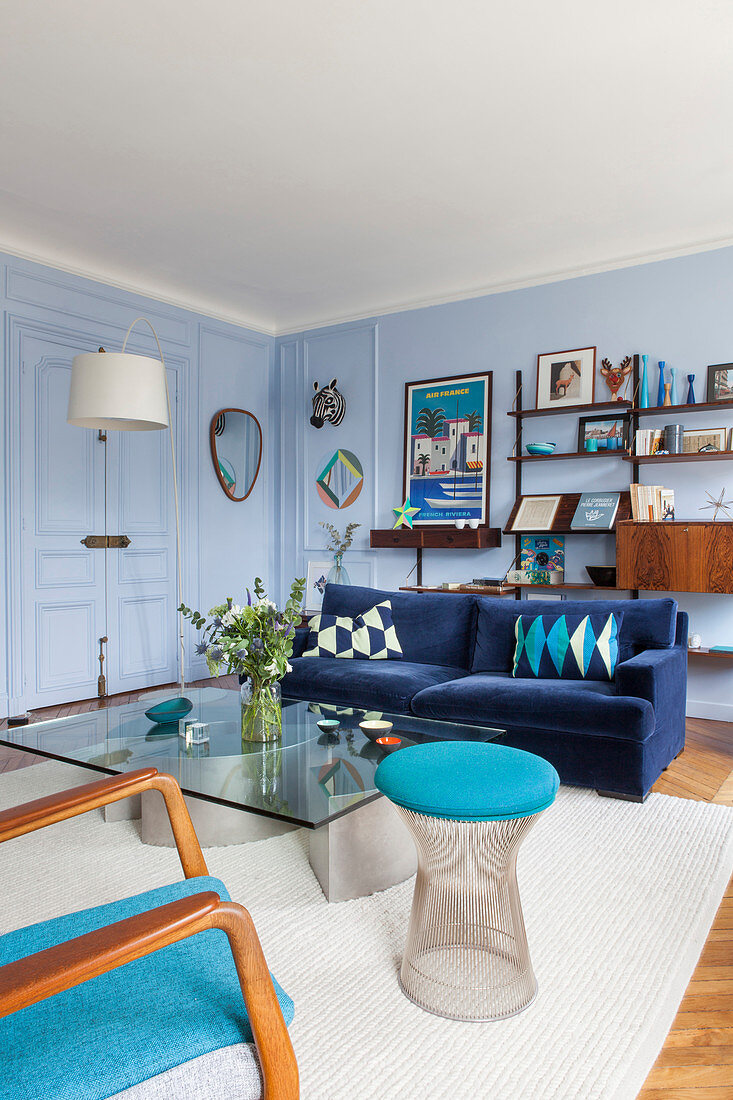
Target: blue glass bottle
{"type": "Point", "coordinates": [660, 389]}
{"type": "Point", "coordinates": [644, 388]}
{"type": "Point", "coordinates": [674, 398]}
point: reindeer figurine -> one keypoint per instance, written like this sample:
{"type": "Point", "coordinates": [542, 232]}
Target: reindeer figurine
{"type": "Point", "coordinates": [615, 376]}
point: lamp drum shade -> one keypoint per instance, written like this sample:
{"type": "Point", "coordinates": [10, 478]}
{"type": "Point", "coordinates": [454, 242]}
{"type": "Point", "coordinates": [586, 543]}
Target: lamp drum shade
{"type": "Point", "coordinates": [118, 390]}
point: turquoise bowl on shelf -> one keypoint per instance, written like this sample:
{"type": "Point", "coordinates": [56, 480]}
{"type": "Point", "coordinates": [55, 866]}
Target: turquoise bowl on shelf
{"type": "Point", "coordinates": [541, 448]}
{"type": "Point", "coordinates": [170, 710]}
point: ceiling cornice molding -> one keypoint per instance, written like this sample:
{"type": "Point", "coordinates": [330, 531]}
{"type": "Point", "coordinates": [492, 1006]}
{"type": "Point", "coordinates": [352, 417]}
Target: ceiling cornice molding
{"type": "Point", "coordinates": [518, 284]}
{"type": "Point", "coordinates": [205, 309]}
{"type": "Point", "coordinates": [202, 308]}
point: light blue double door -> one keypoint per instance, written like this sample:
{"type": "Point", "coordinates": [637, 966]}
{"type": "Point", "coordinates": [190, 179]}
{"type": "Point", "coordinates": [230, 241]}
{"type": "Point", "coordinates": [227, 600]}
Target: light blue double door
{"type": "Point", "coordinates": [70, 595]}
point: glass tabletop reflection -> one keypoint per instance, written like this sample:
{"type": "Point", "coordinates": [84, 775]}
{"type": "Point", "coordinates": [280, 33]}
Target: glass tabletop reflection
{"type": "Point", "coordinates": [308, 777]}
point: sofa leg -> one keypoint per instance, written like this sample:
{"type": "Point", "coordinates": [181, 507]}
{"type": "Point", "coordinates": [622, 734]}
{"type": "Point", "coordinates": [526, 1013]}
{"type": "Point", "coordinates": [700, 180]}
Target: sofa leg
{"type": "Point", "coordinates": [624, 797]}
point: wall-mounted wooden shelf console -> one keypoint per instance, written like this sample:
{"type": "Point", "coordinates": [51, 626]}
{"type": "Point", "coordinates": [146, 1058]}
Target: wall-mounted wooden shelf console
{"type": "Point", "coordinates": [677, 556]}
{"type": "Point", "coordinates": [564, 515]}
{"type": "Point", "coordinates": [434, 538]}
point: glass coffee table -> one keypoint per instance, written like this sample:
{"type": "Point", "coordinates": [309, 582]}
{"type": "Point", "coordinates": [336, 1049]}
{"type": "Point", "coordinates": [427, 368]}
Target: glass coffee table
{"type": "Point", "coordinates": [240, 791]}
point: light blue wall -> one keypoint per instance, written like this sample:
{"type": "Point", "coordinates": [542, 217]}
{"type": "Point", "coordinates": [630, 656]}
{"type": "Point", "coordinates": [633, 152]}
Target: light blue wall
{"type": "Point", "coordinates": [678, 310]}
{"type": "Point", "coordinates": [225, 543]}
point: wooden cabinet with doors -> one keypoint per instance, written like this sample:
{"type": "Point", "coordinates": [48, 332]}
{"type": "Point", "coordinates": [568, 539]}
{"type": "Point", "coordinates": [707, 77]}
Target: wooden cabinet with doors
{"type": "Point", "coordinates": [675, 557]}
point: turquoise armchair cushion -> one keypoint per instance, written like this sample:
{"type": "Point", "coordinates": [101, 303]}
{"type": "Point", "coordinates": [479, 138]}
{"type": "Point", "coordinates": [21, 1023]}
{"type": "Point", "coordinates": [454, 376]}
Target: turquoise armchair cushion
{"type": "Point", "coordinates": [130, 1024]}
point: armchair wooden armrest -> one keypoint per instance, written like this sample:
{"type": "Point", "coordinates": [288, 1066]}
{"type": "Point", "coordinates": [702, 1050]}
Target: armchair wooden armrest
{"type": "Point", "coordinates": [57, 807]}
{"type": "Point", "coordinates": [55, 969]}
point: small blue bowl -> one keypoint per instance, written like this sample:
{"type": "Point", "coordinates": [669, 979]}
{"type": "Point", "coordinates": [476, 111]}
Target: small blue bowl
{"type": "Point", "coordinates": [170, 710]}
{"type": "Point", "coordinates": [541, 448]}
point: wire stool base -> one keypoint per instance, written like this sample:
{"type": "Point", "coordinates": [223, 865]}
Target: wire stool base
{"type": "Point", "coordinates": [466, 956]}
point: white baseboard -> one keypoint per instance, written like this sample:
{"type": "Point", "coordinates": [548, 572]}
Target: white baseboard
{"type": "Point", "coordinates": [717, 712]}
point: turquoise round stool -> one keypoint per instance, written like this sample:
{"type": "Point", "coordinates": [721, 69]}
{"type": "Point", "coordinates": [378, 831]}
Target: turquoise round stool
{"type": "Point", "coordinates": [468, 807]}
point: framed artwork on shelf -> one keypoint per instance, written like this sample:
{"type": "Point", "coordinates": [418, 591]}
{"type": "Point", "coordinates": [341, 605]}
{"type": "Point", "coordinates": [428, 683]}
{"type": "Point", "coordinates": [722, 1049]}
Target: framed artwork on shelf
{"type": "Point", "coordinates": [704, 439]}
{"type": "Point", "coordinates": [603, 433]}
{"type": "Point", "coordinates": [536, 513]}
{"type": "Point", "coordinates": [566, 378]}
{"type": "Point", "coordinates": [316, 577]}
{"type": "Point", "coordinates": [720, 382]}
{"type": "Point", "coordinates": [447, 449]}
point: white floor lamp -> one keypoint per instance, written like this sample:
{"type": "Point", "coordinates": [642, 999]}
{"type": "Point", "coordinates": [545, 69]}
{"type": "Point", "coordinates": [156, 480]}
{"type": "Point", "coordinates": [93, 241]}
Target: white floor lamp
{"type": "Point", "coordinates": [128, 393]}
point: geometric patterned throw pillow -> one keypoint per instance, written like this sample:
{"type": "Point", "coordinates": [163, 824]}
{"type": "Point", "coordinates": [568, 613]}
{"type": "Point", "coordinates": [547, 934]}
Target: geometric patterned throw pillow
{"type": "Point", "coordinates": [371, 636]}
{"type": "Point", "coordinates": [570, 647]}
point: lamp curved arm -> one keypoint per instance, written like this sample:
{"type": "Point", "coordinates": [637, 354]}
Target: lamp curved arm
{"type": "Point", "coordinates": [179, 559]}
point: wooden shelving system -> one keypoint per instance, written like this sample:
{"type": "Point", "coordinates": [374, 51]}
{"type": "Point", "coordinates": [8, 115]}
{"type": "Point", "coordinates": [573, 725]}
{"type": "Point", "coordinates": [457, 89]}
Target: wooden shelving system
{"type": "Point", "coordinates": [569, 501]}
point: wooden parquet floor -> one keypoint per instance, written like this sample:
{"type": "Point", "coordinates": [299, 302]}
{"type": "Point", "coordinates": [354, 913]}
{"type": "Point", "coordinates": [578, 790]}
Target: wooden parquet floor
{"type": "Point", "coordinates": [696, 1062]}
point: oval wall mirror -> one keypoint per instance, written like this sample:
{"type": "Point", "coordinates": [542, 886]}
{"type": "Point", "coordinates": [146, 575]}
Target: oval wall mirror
{"type": "Point", "coordinates": [236, 449]}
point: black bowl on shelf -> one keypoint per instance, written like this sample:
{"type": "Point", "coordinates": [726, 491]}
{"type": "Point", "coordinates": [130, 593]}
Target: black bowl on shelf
{"type": "Point", "coordinates": [604, 576]}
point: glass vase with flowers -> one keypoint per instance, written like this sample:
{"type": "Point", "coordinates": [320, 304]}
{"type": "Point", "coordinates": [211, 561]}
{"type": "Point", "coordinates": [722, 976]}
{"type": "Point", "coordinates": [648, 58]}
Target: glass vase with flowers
{"type": "Point", "coordinates": [338, 544]}
{"type": "Point", "coordinates": [254, 640]}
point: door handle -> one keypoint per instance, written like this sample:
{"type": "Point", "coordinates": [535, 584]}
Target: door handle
{"type": "Point", "coordinates": [106, 542]}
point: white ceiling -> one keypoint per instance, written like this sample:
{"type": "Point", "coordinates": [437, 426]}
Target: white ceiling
{"type": "Point", "coordinates": [292, 162]}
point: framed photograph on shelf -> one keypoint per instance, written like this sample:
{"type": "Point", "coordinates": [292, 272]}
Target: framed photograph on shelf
{"type": "Point", "coordinates": [536, 513]}
{"type": "Point", "coordinates": [566, 378]}
{"type": "Point", "coordinates": [704, 439]}
{"type": "Point", "coordinates": [720, 382]}
{"type": "Point", "coordinates": [315, 585]}
{"type": "Point", "coordinates": [603, 433]}
{"type": "Point", "coordinates": [446, 464]}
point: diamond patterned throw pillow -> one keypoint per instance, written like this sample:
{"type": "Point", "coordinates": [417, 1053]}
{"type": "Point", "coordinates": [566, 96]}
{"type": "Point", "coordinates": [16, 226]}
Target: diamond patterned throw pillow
{"type": "Point", "coordinates": [371, 636]}
{"type": "Point", "coordinates": [569, 647]}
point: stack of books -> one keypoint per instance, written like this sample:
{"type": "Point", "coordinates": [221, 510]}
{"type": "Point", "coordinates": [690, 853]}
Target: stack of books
{"type": "Point", "coordinates": [651, 503]}
{"type": "Point", "coordinates": [648, 441]}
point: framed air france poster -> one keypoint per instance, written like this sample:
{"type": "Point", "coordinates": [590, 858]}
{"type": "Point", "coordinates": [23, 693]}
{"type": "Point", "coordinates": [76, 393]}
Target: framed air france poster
{"type": "Point", "coordinates": [447, 449]}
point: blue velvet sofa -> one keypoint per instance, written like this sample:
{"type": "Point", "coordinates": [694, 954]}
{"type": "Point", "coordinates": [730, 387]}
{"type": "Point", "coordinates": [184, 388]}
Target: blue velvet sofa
{"type": "Point", "coordinates": [457, 658]}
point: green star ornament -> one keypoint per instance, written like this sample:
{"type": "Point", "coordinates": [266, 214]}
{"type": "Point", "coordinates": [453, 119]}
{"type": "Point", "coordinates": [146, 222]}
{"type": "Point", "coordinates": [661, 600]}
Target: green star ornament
{"type": "Point", "coordinates": [404, 514]}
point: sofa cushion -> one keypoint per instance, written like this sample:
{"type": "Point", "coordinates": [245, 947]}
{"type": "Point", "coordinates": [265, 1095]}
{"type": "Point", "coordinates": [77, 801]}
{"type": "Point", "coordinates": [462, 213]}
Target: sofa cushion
{"type": "Point", "coordinates": [566, 647]}
{"type": "Point", "coordinates": [376, 685]}
{"type": "Point", "coordinates": [131, 1023]}
{"type": "Point", "coordinates": [433, 629]}
{"type": "Point", "coordinates": [647, 624]}
{"type": "Point", "coordinates": [574, 706]}
{"type": "Point", "coordinates": [368, 637]}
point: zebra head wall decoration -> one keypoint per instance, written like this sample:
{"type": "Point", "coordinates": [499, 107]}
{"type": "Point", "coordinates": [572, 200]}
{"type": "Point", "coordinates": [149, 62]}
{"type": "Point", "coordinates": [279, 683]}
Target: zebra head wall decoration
{"type": "Point", "coordinates": [328, 405]}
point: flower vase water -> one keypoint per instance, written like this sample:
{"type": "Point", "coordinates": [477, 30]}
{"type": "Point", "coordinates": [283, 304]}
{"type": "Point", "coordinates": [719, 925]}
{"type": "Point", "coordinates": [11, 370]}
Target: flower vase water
{"type": "Point", "coordinates": [337, 573]}
{"type": "Point", "coordinates": [261, 706]}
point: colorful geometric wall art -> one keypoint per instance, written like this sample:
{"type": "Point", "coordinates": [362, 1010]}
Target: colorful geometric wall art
{"type": "Point", "coordinates": [340, 479]}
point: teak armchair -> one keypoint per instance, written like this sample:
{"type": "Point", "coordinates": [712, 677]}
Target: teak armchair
{"type": "Point", "coordinates": [50, 971]}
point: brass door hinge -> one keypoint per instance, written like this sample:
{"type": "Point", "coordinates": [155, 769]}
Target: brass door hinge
{"type": "Point", "coordinates": [106, 542]}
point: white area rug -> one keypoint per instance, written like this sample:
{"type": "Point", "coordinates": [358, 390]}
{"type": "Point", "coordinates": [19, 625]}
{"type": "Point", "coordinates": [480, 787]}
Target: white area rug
{"type": "Point", "coordinates": [618, 900]}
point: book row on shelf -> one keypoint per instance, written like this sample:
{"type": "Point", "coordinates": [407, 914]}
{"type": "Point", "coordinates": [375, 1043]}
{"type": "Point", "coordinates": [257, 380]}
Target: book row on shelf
{"type": "Point", "coordinates": [651, 503]}
{"type": "Point", "coordinates": [675, 439]}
